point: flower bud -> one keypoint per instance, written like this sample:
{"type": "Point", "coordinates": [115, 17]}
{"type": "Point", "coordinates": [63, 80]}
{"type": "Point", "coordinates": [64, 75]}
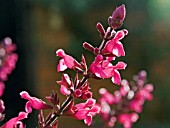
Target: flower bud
{"type": "Point", "coordinates": [100, 29]}
{"type": "Point", "coordinates": [116, 20]}
{"type": "Point", "coordinates": [88, 47]}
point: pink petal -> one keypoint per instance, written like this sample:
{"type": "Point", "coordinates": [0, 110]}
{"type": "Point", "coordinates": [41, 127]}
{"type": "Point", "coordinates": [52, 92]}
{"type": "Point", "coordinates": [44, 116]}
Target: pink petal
{"type": "Point", "coordinates": [94, 110]}
{"type": "Point", "coordinates": [14, 121]}
{"type": "Point", "coordinates": [81, 114]}
{"type": "Point", "coordinates": [64, 90]}
{"type": "Point", "coordinates": [77, 93]}
{"type": "Point", "coordinates": [98, 58]}
{"type": "Point", "coordinates": [60, 53]}
{"type": "Point", "coordinates": [87, 95]}
{"type": "Point", "coordinates": [149, 87]}
{"type": "Point", "coordinates": [88, 120]}
{"type": "Point", "coordinates": [116, 79]}
{"type": "Point", "coordinates": [61, 65]}
{"type": "Point", "coordinates": [136, 106]}
{"type": "Point", "coordinates": [109, 46]}
{"type": "Point", "coordinates": [33, 102]}
{"type": "Point", "coordinates": [65, 80]}
{"type": "Point", "coordinates": [28, 107]}
{"type": "Point", "coordinates": [90, 102]}
{"type": "Point", "coordinates": [120, 65]}
{"type": "Point", "coordinates": [119, 35]}
{"type": "Point", "coordinates": [118, 49]}
{"type": "Point", "coordinates": [110, 58]}
{"type": "Point", "coordinates": [106, 96]}
{"type": "Point", "coordinates": [69, 61]}
{"type": "Point", "coordinates": [119, 13]}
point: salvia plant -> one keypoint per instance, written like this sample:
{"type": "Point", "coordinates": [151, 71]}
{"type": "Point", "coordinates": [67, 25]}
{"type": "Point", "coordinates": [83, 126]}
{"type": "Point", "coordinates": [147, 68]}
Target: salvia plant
{"type": "Point", "coordinates": [118, 106]}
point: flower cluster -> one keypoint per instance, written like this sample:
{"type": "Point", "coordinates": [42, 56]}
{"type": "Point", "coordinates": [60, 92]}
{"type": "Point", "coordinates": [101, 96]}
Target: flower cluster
{"type": "Point", "coordinates": [8, 61]}
{"type": "Point", "coordinates": [125, 104]}
{"type": "Point", "coordinates": [79, 87]}
{"type": "Point", "coordinates": [127, 101]}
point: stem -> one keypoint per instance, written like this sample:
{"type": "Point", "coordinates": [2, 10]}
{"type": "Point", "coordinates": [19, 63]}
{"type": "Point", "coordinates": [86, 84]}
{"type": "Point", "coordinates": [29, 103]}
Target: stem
{"type": "Point", "coordinates": [108, 36]}
{"type": "Point", "coordinates": [102, 44]}
{"type": "Point", "coordinates": [52, 120]}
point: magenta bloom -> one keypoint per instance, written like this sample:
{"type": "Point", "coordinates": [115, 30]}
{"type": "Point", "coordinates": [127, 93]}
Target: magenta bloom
{"type": "Point", "coordinates": [124, 104]}
{"type": "Point", "coordinates": [143, 94]}
{"type": "Point", "coordinates": [65, 83]}
{"type": "Point", "coordinates": [33, 102]}
{"type": "Point", "coordinates": [8, 58]}
{"type": "Point", "coordinates": [85, 111]}
{"type": "Point", "coordinates": [66, 62]}
{"type": "Point", "coordinates": [110, 98]}
{"type": "Point", "coordinates": [114, 47]}
{"type": "Point", "coordinates": [128, 119]}
{"type": "Point", "coordinates": [104, 69]}
{"type": "Point", "coordinates": [16, 121]}
{"type": "Point", "coordinates": [83, 92]}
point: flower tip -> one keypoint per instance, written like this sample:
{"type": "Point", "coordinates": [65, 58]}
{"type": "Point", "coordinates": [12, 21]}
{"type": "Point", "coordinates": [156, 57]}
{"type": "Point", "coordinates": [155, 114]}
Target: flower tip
{"type": "Point", "coordinates": [117, 17]}
{"type": "Point", "coordinates": [88, 47]}
{"type": "Point", "coordinates": [134, 117]}
{"type": "Point", "coordinates": [122, 6]}
{"type": "Point", "coordinates": [102, 91]}
{"type": "Point", "coordinates": [24, 94]}
{"type": "Point", "coordinates": [23, 115]}
{"type": "Point", "coordinates": [98, 24]}
{"type": "Point", "coordinates": [90, 102]}
{"type": "Point", "coordinates": [60, 52]}
{"type": "Point", "coordinates": [125, 31]}
{"type": "Point", "coordinates": [8, 41]}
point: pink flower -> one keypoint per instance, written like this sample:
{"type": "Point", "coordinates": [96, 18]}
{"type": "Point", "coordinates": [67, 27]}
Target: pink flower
{"type": "Point", "coordinates": [16, 121]}
{"type": "Point", "coordinates": [106, 96]}
{"type": "Point", "coordinates": [33, 102]}
{"type": "Point", "coordinates": [8, 58]}
{"type": "Point", "coordinates": [65, 83]}
{"type": "Point", "coordinates": [105, 110]}
{"type": "Point", "coordinates": [136, 105]}
{"type": "Point", "coordinates": [125, 88]}
{"type": "Point", "coordinates": [104, 69]}
{"type": "Point", "coordinates": [85, 111]}
{"type": "Point", "coordinates": [114, 47]}
{"type": "Point", "coordinates": [117, 18]}
{"type": "Point", "coordinates": [83, 92]}
{"type": "Point", "coordinates": [128, 119]}
{"type": "Point", "coordinates": [146, 92]}
{"type": "Point", "coordinates": [111, 122]}
{"type": "Point", "coordinates": [66, 62]}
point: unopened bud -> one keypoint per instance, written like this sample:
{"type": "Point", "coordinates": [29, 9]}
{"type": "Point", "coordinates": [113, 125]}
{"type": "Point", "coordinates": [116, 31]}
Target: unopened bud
{"type": "Point", "coordinates": [88, 47]}
{"type": "Point", "coordinates": [101, 30]}
{"type": "Point", "coordinates": [116, 20]}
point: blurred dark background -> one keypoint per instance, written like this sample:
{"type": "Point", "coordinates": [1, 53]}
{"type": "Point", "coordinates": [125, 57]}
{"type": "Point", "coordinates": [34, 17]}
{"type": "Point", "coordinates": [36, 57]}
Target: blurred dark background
{"type": "Point", "coordinates": [39, 27]}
